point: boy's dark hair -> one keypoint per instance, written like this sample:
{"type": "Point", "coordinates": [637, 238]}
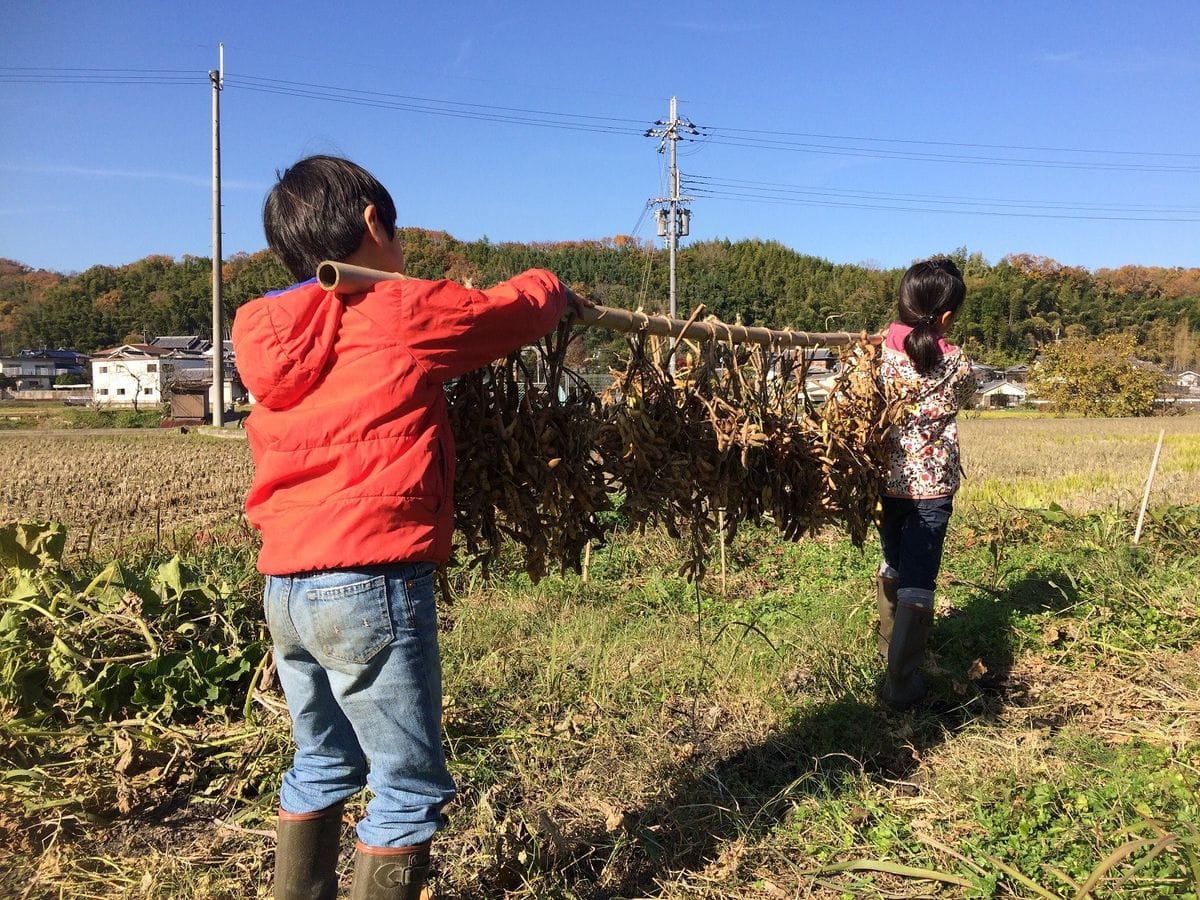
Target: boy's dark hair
{"type": "Point", "coordinates": [315, 212]}
{"type": "Point", "coordinates": [927, 290]}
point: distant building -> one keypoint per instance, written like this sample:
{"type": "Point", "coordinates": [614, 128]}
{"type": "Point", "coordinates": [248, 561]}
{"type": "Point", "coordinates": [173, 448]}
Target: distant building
{"type": "Point", "coordinates": [191, 394]}
{"type": "Point", "coordinates": [821, 359]}
{"type": "Point", "coordinates": [1188, 379]}
{"type": "Point", "coordinates": [183, 343]}
{"type": "Point", "coordinates": [984, 374]}
{"type": "Point", "coordinates": [37, 370]}
{"type": "Point", "coordinates": [145, 375]}
{"type": "Point", "coordinates": [137, 374]}
{"type": "Point", "coordinates": [999, 394]}
{"type": "Point", "coordinates": [1017, 374]}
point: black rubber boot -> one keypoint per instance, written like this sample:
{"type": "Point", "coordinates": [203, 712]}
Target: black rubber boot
{"type": "Point", "coordinates": [903, 685]}
{"type": "Point", "coordinates": [306, 854]}
{"type": "Point", "coordinates": [389, 873]}
{"type": "Point", "coordinates": [885, 605]}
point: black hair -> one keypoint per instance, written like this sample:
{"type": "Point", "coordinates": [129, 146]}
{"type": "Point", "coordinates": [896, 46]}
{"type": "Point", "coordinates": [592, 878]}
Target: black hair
{"type": "Point", "coordinates": [928, 289]}
{"type": "Point", "coordinates": [315, 212]}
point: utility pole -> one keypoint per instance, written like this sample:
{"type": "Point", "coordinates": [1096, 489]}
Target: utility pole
{"type": "Point", "coordinates": [674, 219]}
{"type": "Point", "coordinates": [217, 77]}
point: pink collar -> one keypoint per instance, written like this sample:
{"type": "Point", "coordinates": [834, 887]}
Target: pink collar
{"type": "Point", "coordinates": [898, 331]}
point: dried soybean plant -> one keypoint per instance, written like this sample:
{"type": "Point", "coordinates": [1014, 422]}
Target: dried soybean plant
{"type": "Point", "coordinates": [524, 429]}
{"type": "Point", "coordinates": [730, 437]}
{"type": "Point", "coordinates": [659, 448]}
{"type": "Point", "coordinates": [733, 437]}
{"type": "Point", "coordinates": [853, 423]}
{"type": "Point", "coordinates": [723, 440]}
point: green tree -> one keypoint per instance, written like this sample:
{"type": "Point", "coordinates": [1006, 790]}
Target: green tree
{"type": "Point", "coordinates": [1097, 377]}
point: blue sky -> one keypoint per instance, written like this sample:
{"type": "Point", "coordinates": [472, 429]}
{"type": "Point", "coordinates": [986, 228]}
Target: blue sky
{"type": "Point", "coordinates": [848, 131]}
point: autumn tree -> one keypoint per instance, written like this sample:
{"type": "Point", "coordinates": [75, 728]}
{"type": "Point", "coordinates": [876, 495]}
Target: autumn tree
{"type": "Point", "coordinates": [1096, 377]}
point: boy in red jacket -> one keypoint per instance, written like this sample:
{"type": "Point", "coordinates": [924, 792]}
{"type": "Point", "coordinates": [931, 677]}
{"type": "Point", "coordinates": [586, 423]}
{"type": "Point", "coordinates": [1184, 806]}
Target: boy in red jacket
{"type": "Point", "coordinates": [352, 492]}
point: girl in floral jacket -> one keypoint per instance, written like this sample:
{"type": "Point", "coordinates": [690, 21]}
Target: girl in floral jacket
{"type": "Point", "coordinates": [923, 471]}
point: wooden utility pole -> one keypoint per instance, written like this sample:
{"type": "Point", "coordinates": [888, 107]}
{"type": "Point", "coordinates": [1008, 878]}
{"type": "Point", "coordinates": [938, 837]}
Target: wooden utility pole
{"type": "Point", "coordinates": [217, 77]}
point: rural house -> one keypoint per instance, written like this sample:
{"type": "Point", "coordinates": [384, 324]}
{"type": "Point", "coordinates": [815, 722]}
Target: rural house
{"type": "Point", "coordinates": [143, 375]}
{"type": "Point", "coordinates": [985, 373]}
{"type": "Point", "coordinates": [137, 374]}
{"type": "Point", "coordinates": [37, 370]}
{"type": "Point", "coordinates": [1017, 374]}
{"type": "Point", "coordinates": [1188, 379]}
{"type": "Point", "coordinates": [999, 394]}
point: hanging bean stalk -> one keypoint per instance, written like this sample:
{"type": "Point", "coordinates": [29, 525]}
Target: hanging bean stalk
{"type": "Point", "coordinates": [854, 421]}
{"type": "Point", "coordinates": [525, 465]}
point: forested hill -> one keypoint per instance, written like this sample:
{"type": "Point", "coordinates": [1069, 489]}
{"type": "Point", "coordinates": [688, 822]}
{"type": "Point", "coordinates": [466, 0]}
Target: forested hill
{"type": "Point", "coordinates": [1013, 305]}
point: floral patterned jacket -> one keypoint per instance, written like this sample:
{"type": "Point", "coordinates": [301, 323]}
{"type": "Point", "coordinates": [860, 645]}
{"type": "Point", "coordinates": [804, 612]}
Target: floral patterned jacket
{"type": "Point", "coordinates": [922, 449]}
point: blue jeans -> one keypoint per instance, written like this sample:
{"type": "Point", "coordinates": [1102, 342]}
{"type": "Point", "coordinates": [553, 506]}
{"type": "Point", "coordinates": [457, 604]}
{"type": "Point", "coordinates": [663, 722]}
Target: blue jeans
{"type": "Point", "coordinates": [912, 533]}
{"type": "Point", "coordinates": [357, 656]}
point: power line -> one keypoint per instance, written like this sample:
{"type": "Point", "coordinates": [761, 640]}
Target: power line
{"type": "Point", "coordinates": [640, 123]}
{"type": "Point", "coordinates": [879, 153]}
{"type": "Point", "coordinates": [767, 139]}
{"type": "Point", "coordinates": [702, 182]}
{"type": "Point", "coordinates": [46, 75]}
{"type": "Point", "coordinates": [383, 102]}
{"type": "Point", "coordinates": [974, 146]}
{"type": "Point", "coordinates": [795, 201]}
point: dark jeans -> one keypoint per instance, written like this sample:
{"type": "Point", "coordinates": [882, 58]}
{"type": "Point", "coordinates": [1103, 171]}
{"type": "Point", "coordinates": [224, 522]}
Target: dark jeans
{"type": "Point", "coordinates": [912, 533]}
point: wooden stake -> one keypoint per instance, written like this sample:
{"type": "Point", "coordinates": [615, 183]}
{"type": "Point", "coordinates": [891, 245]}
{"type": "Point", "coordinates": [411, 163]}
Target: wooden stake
{"type": "Point", "coordinates": [1137, 533]}
{"type": "Point", "coordinates": [721, 533]}
{"type": "Point", "coordinates": [587, 558]}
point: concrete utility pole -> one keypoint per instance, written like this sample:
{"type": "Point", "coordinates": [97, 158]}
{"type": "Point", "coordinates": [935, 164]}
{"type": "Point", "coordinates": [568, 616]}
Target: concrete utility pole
{"type": "Point", "coordinates": [217, 77]}
{"type": "Point", "coordinates": [674, 220]}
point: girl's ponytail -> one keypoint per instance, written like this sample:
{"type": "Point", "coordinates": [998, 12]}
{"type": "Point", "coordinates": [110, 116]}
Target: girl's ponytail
{"type": "Point", "coordinates": [928, 290]}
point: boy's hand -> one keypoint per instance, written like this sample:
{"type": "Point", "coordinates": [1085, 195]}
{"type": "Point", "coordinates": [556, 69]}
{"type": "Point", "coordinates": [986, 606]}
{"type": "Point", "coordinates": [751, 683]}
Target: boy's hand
{"type": "Point", "coordinates": [576, 304]}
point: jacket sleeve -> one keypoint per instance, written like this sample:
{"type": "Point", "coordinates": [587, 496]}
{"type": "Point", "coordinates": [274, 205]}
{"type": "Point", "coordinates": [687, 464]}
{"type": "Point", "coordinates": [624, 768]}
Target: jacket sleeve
{"type": "Point", "coordinates": [451, 330]}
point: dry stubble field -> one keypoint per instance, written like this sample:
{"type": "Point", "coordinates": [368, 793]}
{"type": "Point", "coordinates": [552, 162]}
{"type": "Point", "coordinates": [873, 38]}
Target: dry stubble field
{"type": "Point", "coordinates": [111, 488]}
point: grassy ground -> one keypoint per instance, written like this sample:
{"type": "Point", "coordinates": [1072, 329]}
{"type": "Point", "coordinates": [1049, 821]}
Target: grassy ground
{"type": "Point", "coordinates": [632, 735]}
{"type": "Point", "coordinates": [27, 415]}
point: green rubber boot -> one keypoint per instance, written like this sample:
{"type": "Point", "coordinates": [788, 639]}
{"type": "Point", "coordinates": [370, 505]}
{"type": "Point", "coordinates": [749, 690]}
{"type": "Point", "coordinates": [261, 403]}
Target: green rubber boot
{"type": "Point", "coordinates": [903, 685]}
{"type": "Point", "coordinates": [885, 605]}
{"type": "Point", "coordinates": [306, 854]}
{"type": "Point", "coordinates": [389, 873]}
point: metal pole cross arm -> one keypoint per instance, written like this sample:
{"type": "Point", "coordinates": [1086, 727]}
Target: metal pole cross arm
{"type": "Point", "coordinates": [342, 278]}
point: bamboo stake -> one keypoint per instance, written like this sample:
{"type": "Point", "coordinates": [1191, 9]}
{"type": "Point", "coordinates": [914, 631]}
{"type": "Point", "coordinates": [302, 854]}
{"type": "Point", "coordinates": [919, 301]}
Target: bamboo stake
{"type": "Point", "coordinates": [1137, 533]}
{"type": "Point", "coordinates": [721, 533]}
{"type": "Point", "coordinates": [343, 278]}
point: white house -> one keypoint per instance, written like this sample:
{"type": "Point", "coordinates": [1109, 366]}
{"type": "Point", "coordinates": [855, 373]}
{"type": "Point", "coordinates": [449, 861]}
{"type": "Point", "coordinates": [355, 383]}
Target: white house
{"type": "Point", "coordinates": [137, 375]}
{"type": "Point", "coordinates": [1188, 379]}
{"type": "Point", "coordinates": [37, 370]}
{"type": "Point", "coordinates": [999, 394]}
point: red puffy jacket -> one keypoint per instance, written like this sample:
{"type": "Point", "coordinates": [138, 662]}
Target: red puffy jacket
{"type": "Point", "coordinates": [353, 455]}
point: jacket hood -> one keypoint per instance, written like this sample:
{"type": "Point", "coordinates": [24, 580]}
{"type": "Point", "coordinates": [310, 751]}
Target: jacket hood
{"type": "Point", "coordinates": [283, 342]}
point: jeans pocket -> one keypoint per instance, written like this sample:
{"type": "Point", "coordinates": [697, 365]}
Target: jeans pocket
{"type": "Point", "coordinates": [350, 622]}
{"type": "Point", "coordinates": [419, 602]}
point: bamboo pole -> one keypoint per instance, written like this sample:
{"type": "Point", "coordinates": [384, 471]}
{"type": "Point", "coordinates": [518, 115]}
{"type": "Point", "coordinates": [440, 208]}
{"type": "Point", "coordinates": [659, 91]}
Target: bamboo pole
{"type": "Point", "coordinates": [343, 278]}
{"type": "Point", "coordinates": [721, 533]}
{"type": "Point", "coordinates": [1137, 533]}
